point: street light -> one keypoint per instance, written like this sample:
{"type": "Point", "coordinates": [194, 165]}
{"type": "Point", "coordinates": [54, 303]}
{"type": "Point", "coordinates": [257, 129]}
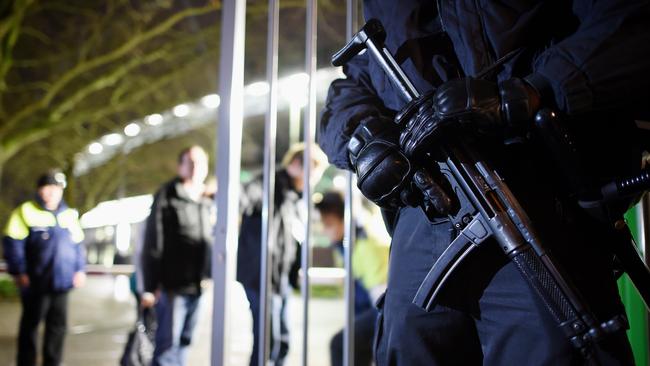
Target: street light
{"type": "Point", "coordinates": [258, 88]}
{"type": "Point", "coordinates": [153, 119]}
{"type": "Point", "coordinates": [211, 101]}
{"type": "Point", "coordinates": [95, 148]}
{"type": "Point", "coordinates": [132, 129]}
{"type": "Point", "coordinates": [181, 110]}
{"type": "Point", "coordinates": [112, 139]}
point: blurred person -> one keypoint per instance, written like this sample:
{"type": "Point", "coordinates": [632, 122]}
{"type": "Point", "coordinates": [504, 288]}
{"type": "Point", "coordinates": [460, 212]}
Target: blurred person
{"type": "Point", "coordinates": [287, 224]}
{"type": "Point", "coordinates": [176, 256]}
{"type": "Point", "coordinates": [370, 268]}
{"type": "Point", "coordinates": [43, 251]}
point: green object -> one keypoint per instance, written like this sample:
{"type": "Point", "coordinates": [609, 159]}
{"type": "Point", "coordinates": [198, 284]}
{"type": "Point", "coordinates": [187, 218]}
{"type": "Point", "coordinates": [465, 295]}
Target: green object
{"type": "Point", "coordinates": [7, 288]}
{"type": "Point", "coordinates": [370, 262]}
{"type": "Point", "coordinates": [325, 291]}
{"type": "Point", "coordinates": [634, 306]}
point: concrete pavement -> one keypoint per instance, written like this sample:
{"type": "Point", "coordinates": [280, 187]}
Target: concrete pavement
{"type": "Point", "coordinates": [102, 314]}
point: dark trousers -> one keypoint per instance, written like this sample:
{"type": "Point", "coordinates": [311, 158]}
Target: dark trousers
{"type": "Point", "coordinates": [364, 331]}
{"type": "Point", "coordinates": [488, 315]}
{"type": "Point", "coordinates": [36, 306]}
{"type": "Point", "coordinates": [279, 330]}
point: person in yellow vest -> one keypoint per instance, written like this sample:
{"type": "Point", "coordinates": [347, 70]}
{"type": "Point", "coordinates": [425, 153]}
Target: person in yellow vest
{"type": "Point", "coordinates": [43, 251]}
{"type": "Point", "coordinates": [370, 267]}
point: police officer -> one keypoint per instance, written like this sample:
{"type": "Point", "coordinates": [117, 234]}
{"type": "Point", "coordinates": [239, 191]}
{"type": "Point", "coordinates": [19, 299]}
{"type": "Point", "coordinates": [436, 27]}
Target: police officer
{"type": "Point", "coordinates": [487, 69]}
{"type": "Point", "coordinates": [43, 251]}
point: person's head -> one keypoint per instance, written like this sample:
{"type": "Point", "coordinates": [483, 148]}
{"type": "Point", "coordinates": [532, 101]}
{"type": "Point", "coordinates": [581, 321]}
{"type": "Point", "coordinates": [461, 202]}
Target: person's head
{"type": "Point", "coordinates": [293, 162]}
{"type": "Point", "coordinates": [193, 164]}
{"type": "Point", "coordinates": [50, 187]}
{"type": "Point", "coordinates": [331, 209]}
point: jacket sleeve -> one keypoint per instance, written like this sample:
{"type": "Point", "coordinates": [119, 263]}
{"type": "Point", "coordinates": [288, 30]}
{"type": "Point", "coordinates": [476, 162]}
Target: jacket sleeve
{"type": "Point", "coordinates": [13, 243]}
{"type": "Point", "coordinates": [152, 250]}
{"type": "Point", "coordinates": [251, 195]}
{"type": "Point", "coordinates": [80, 263]}
{"type": "Point", "coordinates": [349, 100]}
{"type": "Point", "coordinates": [604, 64]}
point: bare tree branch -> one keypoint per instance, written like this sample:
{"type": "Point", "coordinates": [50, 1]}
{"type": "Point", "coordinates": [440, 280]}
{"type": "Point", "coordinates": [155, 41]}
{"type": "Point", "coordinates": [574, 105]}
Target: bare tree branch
{"type": "Point", "coordinates": [85, 66]}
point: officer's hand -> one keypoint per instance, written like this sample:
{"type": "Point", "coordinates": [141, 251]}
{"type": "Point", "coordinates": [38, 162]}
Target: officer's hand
{"type": "Point", "coordinates": [79, 279]}
{"type": "Point", "coordinates": [383, 171]}
{"type": "Point", "coordinates": [421, 125]}
{"type": "Point", "coordinates": [21, 280]}
{"type": "Point", "coordinates": [511, 103]}
{"type": "Point", "coordinates": [474, 103]}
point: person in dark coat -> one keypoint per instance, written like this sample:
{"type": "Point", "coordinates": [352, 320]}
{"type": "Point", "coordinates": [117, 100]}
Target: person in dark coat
{"type": "Point", "coordinates": [285, 254]}
{"type": "Point", "coordinates": [492, 66]}
{"type": "Point", "coordinates": [176, 256]}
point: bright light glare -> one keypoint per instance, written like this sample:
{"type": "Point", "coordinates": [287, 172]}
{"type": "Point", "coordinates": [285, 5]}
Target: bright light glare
{"type": "Point", "coordinates": [339, 182]}
{"type": "Point", "coordinates": [112, 139]}
{"type": "Point", "coordinates": [154, 119]}
{"type": "Point", "coordinates": [294, 88]}
{"type": "Point", "coordinates": [132, 129]}
{"type": "Point", "coordinates": [95, 148]}
{"type": "Point", "coordinates": [298, 80]}
{"type": "Point", "coordinates": [181, 110]}
{"type": "Point", "coordinates": [109, 214]}
{"type": "Point", "coordinates": [123, 236]}
{"type": "Point", "coordinates": [121, 288]}
{"type": "Point", "coordinates": [257, 89]}
{"type": "Point", "coordinates": [211, 101]}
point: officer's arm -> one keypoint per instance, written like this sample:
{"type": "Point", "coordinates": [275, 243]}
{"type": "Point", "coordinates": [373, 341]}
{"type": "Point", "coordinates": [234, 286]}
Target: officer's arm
{"type": "Point", "coordinates": [153, 244]}
{"type": "Point", "coordinates": [349, 101]}
{"type": "Point", "coordinates": [13, 243]}
{"type": "Point", "coordinates": [604, 64]}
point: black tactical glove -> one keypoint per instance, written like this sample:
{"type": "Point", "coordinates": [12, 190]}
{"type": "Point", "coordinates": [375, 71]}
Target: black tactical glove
{"type": "Point", "coordinates": [383, 171]}
{"type": "Point", "coordinates": [475, 103]}
{"type": "Point", "coordinates": [387, 177]}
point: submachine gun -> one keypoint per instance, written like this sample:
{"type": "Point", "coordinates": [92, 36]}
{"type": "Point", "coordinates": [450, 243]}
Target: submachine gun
{"type": "Point", "coordinates": [488, 209]}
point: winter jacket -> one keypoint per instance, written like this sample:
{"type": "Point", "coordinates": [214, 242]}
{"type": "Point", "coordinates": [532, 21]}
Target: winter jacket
{"type": "Point", "coordinates": [590, 58]}
{"type": "Point", "coordinates": [286, 223]}
{"type": "Point", "coordinates": [178, 240]}
{"type": "Point", "coordinates": [45, 245]}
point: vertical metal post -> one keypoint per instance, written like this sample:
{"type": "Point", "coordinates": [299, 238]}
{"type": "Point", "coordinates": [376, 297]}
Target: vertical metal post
{"type": "Point", "coordinates": [348, 246]}
{"type": "Point", "coordinates": [645, 214]}
{"type": "Point", "coordinates": [270, 126]}
{"type": "Point", "coordinates": [349, 236]}
{"type": "Point", "coordinates": [645, 250]}
{"type": "Point", "coordinates": [229, 137]}
{"type": "Point", "coordinates": [308, 130]}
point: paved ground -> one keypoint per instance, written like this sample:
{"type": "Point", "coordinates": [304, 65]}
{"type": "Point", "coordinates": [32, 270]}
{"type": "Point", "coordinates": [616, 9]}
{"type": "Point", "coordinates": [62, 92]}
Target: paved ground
{"type": "Point", "coordinates": [102, 313]}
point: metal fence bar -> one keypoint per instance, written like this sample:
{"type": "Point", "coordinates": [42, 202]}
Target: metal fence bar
{"type": "Point", "coordinates": [229, 137]}
{"type": "Point", "coordinates": [645, 247]}
{"type": "Point", "coordinates": [350, 225]}
{"type": "Point", "coordinates": [270, 127]}
{"type": "Point", "coordinates": [309, 123]}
